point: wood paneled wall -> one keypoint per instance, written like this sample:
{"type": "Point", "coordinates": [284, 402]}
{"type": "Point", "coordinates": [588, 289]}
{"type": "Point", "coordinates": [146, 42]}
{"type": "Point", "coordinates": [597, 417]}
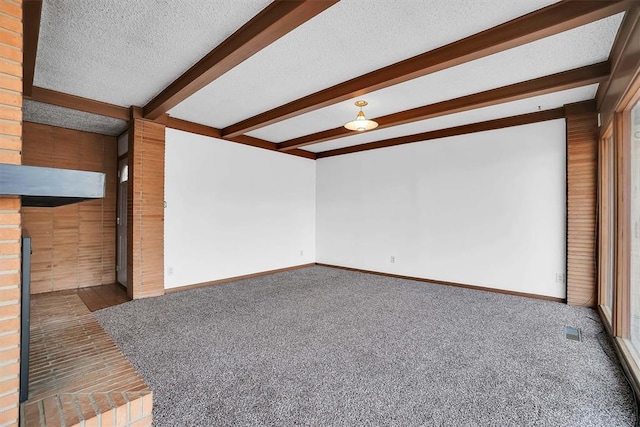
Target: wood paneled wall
{"type": "Point", "coordinates": [10, 217]}
{"type": "Point", "coordinates": [582, 159]}
{"type": "Point", "coordinates": [145, 209]}
{"type": "Point", "coordinates": [73, 246]}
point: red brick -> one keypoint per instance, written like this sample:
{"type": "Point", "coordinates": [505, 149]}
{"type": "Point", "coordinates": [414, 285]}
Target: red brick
{"type": "Point", "coordinates": [145, 422]}
{"type": "Point", "coordinates": [91, 422]}
{"type": "Point", "coordinates": [10, 415]}
{"type": "Point", "coordinates": [9, 294]}
{"type": "Point", "coordinates": [12, 369]}
{"type": "Point", "coordinates": [9, 400]}
{"type": "Point", "coordinates": [8, 203]}
{"type": "Point", "coordinates": [8, 143]}
{"type": "Point", "coordinates": [13, 99]}
{"type": "Point", "coordinates": [10, 158]}
{"type": "Point", "coordinates": [10, 128]}
{"type": "Point", "coordinates": [9, 218]}
{"type": "Point", "coordinates": [9, 355]}
{"type": "Point", "coordinates": [10, 384]}
{"type": "Point", "coordinates": [106, 419]}
{"type": "Point", "coordinates": [11, 324]}
{"type": "Point", "coordinates": [11, 113]}
{"type": "Point", "coordinates": [51, 412]}
{"type": "Point", "coordinates": [11, 38]}
{"type": "Point", "coordinates": [9, 340]}
{"type": "Point", "coordinates": [135, 406]}
{"type": "Point", "coordinates": [9, 279]}
{"type": "Point", "coordinates": [11, 310]}
{"type": "Point", "coordinates": [147, 403]}
{"type": "Point", "coordinates": [11, 23]}
{"type": "Point", "coordinates": [11, 9]}
{"type": "Point", "coordinates": [120, 415]}
{"type": "Point", "coordinates": [10, 233]}
{"type": "Point", "coordinates": [13, 54]}
{"type": "Point", "coordinates": [9, 264]}
{"type": "Point", "coordinates": [10, 248]}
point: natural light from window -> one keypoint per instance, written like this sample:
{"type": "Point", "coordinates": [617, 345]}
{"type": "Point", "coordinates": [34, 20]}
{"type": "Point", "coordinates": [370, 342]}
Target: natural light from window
{"type": "Point", "coordinates": [635, 227]}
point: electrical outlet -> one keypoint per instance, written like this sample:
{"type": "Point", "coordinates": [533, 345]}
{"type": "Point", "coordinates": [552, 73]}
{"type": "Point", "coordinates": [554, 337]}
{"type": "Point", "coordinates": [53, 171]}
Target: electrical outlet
{"type": "Point", "coordinates": [559, 277]}
{"type": "Point", "coordinates": [170, 271]}
{"type": "Point", "coordinates": [301, 252]}
{"type": "Point", "coordinates": [393, 259]}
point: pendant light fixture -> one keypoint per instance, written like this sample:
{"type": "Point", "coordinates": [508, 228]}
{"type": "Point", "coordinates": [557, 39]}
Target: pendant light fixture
{"type": "Point", "coordinates": [361, 123]}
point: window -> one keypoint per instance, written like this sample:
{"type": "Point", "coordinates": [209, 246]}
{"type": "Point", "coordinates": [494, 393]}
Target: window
{"type": "Point", "coordinates": [607, 223]}
{"type": "Point", "coordinates": [124, 174]}
{"type": "Point", "coordinates": [634, 233]}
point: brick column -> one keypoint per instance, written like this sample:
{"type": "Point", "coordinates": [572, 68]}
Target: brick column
{"type": "Point", "coordinates": [145, 209]}
{"type": "Point", "coordinates": [10, 217]}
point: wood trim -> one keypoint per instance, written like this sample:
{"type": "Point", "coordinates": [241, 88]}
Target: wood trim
{"type": "Point", "coordinates": [606, 211]}
{"type": "Point", "coordinates": [621, 327]}
{"type": "Point", "coordinates": [191, 127]}
{"type": "Point", "coordinates": [606, 322]}
{"type": "Point", "coordinates": [253, 142]}
{"type": "Point", "coordinates": [629, 366]}
{"type": "Point", "coordinates": [276, 20]}
{"type": "Point", "coordinates": [553, 19]}
{"type": "Point", "coordinates": [534, 87]}
{"type": "Point", "coordinates": [441, 282]}
{"type": "Point", "coordinates": [581, 108]}
{"type": "Point", "coordinates": [135, 113]}
{"type": "Point", "coordinates": [32, 10]}
{"type": "Point", "coordinates": [303, 153]}
{"type": "Point", "coordinates": [523, 119]}
{"type": "Point", "coordinates": [48, 96]}
{"type": "Point", "coordinates": [625, 60]}
{"type": "Point", "coordinates": [235, 278]}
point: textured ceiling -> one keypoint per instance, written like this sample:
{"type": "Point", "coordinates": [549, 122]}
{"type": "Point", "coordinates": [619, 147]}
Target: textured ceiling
{"type": "Point", "coordinates": [126, 52]}
{"type": "Point", "coordinates": [349, 39]}
{"type": "Point", "coordinates": [73, 119]}
{"type": "Point", "coordinates": [523, 106]}
{"type": "Point", "coordinates": [572, 49]}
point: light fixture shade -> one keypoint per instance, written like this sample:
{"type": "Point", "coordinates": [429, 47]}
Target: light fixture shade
{"type": "Point", "coordinates": [361, 123]}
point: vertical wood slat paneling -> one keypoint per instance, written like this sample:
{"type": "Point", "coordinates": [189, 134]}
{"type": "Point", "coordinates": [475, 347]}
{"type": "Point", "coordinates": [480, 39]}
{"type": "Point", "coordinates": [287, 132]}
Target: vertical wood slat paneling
{"type": "Point", "coordinates": [582, 160]}
{"type": "Point", "coordinates": [73, 246]}
{"type": "Point", "coordinates": [145, 209]}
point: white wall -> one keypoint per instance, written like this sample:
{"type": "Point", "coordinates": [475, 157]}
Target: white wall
{"type": "Point", "coordinates": [484, 209]}
{"type": "Point", "coordinates": [234, 210]}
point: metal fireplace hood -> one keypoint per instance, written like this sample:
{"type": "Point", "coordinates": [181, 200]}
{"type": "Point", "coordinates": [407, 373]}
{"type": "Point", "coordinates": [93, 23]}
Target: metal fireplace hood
{"type": "Point", "coordinates": [50, 187]}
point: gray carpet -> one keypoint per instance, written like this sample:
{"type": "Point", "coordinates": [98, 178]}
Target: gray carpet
{"type": "Point", "coordinates": [327, 347]}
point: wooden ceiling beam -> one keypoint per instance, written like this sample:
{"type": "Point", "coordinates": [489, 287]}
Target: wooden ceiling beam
{"type": "Point", "coordinates": [191, 127]}
{"type": "Point", "coordinates": [73, 102]}
{"type": "Point", "coordinates": [553, 19]}
{"type": "Point", "coordinates": [556, 82]}
{"type": "Point", "coordinates": [523, 119]}
{"type": "Point", "coordinates": [276, 20]}
{"type": "Point", "coordinates": [581, 108]}
{"type": "Point", "coordinates": [31, 13]}
{"type": "Point", "coordinates": [625, 63]}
